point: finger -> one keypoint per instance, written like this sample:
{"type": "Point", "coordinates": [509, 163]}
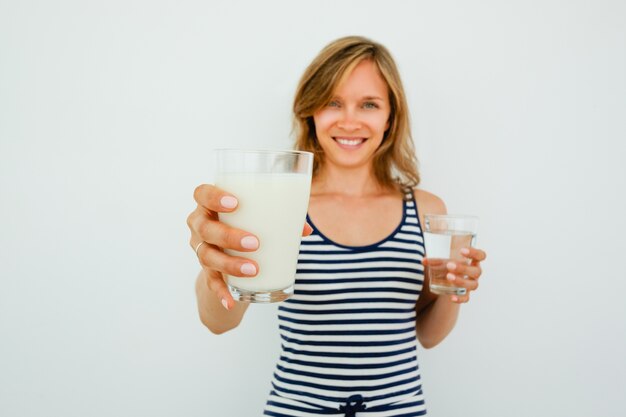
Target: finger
{"type": "Point", "coordinates": [215, 199]}
{"type": "Point", "coordinates": [195, 217]}
{"type": "Point", "coordinates": [307, 230]}
{"type": "Point", "coordinates": [460, 299]}
{"type": "Point", "coordinates": [217, 233]}
{"type": "Point", "coordinates": [460, 269]}
{"type": "Point", "coordinates": [216, 283]}
{"type": "Point", "coordinates": [476, 255]}
{"type": "Point", "coordinates": [461, 281]}
{"type": "Point", "coordinates": [214, 259]}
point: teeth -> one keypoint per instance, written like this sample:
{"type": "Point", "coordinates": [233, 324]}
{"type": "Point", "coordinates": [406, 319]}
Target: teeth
{"type": "Point", "coordinates": [349, 142]}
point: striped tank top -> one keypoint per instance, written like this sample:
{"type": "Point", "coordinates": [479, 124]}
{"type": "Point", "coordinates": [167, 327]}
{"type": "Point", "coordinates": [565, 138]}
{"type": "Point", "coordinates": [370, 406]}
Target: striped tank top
{"type": "Point", "coordinates": [349, 346]}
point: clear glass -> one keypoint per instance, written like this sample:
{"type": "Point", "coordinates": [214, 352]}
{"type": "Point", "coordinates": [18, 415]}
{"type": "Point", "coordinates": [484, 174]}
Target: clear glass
{"type": "Point", "coordinates": [273, 190]}
{"type": "Point", "coordinates": [445, 236]}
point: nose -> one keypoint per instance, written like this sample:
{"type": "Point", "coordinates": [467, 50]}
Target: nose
{"type": "Point", "coordinates": [349, 120]}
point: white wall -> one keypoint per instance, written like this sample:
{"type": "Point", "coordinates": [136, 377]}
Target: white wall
{"type": "Point", "coordinates": [108, 111]}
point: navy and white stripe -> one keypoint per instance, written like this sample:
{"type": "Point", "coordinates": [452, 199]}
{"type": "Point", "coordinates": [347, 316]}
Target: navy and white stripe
{"type": "Point", "coordinates": [348, 332]}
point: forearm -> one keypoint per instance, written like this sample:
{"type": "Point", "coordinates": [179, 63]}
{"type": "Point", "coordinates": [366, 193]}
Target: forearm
{"type": "Point", "coordinates": [212, 313]}
{"type": "Point", "coordinates": [436, 321]}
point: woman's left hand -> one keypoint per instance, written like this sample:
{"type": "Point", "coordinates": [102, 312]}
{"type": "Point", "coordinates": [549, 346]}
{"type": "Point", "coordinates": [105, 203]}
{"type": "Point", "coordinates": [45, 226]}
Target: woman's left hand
{"type": "Point", "coordinates": [466, 275]}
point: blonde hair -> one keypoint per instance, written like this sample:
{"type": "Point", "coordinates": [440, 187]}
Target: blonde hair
{"type": "Point", "coordinates": [396, 154]}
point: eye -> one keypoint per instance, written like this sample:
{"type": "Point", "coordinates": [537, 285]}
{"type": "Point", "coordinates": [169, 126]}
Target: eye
{"type": "Point", "coordinates": [333, 103]}
{"type": "Point", "coordinates": [370, 105]}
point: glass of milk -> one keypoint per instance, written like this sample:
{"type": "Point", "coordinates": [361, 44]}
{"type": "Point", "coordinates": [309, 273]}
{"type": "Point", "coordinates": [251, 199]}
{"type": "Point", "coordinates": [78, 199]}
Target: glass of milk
{"type": "Point", "coordinates": [444, 237]}
{"type": "Point", "coordinates": [273, 190]}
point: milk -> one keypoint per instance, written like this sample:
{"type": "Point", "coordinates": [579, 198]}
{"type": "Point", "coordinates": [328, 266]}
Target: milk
{"type": "Point", "coordinates": [273, 207]}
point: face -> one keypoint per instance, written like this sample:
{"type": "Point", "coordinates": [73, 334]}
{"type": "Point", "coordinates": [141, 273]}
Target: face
{"type": "Point", "coordinates": [351, 126]}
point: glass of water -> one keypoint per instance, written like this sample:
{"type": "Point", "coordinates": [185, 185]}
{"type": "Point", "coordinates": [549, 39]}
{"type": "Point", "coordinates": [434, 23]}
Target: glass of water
{"type": "Point", "coordinates": [445, 235]}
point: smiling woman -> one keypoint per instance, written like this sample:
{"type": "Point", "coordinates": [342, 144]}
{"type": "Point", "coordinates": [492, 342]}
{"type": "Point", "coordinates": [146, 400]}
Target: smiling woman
{"type": "Point", "coordinates": [361, 304]}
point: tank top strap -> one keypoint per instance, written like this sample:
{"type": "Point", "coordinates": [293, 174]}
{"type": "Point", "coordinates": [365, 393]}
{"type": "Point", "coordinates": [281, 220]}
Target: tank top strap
{"type": "Point", "coordinates": [407, 193]}
{"type": "Point", "coordinates": [411, 216]}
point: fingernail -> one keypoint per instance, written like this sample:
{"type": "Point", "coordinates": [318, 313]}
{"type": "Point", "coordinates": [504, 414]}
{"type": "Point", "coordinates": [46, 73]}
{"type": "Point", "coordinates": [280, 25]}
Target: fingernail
{"type": "Point", "coordinates": [451, 266]}
{"type": "Point", "coordinates": [454, 298]}
{"type": "Point", "coordinates": [228, 202]}
{"type": "Point", "coordinates": [250, 242]}
{"type": "Point", "coordinates": [225, 303]}
{"type": "Point", "coordinates": [248, 269]}
{"type": "Point", "coordinates": [465, 251]}
{"type": "Point", "coordinates": [450, 277]}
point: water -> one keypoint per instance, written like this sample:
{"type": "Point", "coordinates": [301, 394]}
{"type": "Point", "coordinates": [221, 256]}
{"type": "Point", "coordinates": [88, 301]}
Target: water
{"type": "Point", "coordinates": [441, 248]}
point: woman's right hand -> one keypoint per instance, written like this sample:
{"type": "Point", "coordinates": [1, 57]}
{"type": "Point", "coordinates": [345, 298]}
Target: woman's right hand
{"type": "Point", "coordinates": [205, 226]}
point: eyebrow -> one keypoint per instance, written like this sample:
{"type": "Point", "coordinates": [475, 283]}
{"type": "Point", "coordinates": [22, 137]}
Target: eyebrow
{"type": "Point", "coordinates": [364, 98]}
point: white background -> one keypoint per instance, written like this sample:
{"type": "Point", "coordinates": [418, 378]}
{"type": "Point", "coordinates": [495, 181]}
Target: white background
{"type": "Point", "coordinates": [108, 111]}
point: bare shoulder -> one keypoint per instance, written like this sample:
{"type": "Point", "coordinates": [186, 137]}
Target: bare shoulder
{"type": "Point", "coordinates": [429, 203]}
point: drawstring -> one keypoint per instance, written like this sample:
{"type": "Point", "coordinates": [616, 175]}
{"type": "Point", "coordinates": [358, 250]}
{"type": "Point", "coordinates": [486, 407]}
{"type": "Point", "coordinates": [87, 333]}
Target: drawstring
{"type": "Point", "coordinates": [354, 404]}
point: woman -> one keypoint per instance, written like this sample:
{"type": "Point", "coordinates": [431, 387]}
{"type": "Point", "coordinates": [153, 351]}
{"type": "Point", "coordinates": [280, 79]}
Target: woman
{"type": "Point", "coordinates": [361, 303]}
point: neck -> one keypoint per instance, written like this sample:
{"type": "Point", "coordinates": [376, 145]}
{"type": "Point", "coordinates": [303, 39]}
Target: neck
{"type": "Point", "coordinates": [351, 182]}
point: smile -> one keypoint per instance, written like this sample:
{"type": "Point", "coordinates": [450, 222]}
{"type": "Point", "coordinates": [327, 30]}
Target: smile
{"type": "Point", "coordinates": [349, 142]}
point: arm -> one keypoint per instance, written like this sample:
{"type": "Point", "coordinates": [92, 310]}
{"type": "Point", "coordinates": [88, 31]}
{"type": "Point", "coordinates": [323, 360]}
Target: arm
{"type": "Point", "coordinates": [436, 315]}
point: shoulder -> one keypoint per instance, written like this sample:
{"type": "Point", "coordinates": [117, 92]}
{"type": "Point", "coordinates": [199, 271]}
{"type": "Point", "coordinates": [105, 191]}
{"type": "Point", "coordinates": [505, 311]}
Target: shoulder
{"type": "Point", "coordinates": [428, 202]}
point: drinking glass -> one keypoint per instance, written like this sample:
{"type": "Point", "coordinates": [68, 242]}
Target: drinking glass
{"type": "Point", "coordinates": [273, 190]}
{"type": "Point", "coordinates": [445, 236]}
